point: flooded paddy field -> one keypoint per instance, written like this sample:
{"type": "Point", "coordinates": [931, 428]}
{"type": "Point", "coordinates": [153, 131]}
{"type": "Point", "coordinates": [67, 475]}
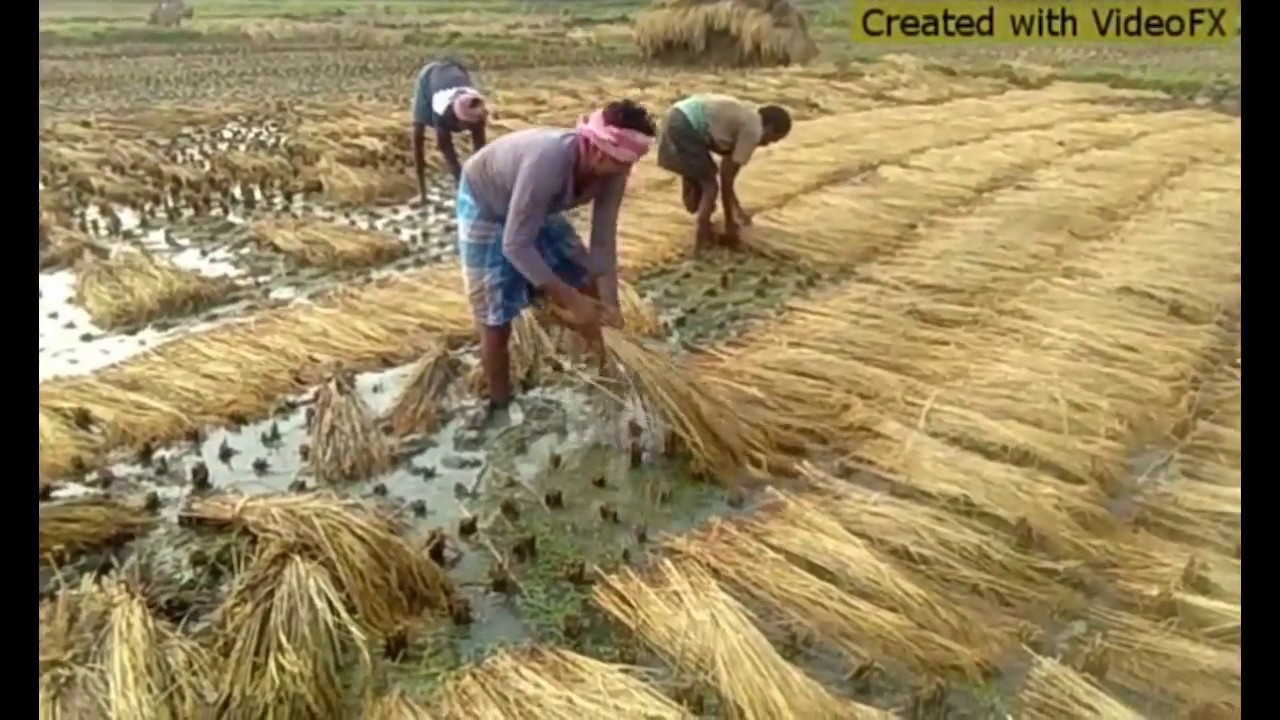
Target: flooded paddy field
{"type": "Point", "coordinates": [956, 432]}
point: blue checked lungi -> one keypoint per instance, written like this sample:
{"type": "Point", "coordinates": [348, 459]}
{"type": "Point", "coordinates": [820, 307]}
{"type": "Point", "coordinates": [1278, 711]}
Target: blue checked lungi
{"type": "Point", "coordinates": [496, 290]}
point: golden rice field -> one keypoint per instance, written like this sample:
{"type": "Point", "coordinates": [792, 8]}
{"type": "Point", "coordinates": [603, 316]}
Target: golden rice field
{"type": "Point", "coordinates": [956, 435]}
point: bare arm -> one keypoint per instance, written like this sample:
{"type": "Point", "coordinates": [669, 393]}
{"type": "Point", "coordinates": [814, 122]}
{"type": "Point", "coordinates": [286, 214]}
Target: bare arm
{"type": "Point", "coordinates": [744, 146]}
{"type": "Point", "coordinates": [604, 237]}
{"type": "Point", "coordinates": [478, 137]}
{"type": "Point", "coordinates": [444, 140]}
{"type": "Point", "coordinates": [421, 119]}
{"type": "Point", "coordinates": [419, 157]}
{"type": "Point", "coordinates": [728, 174]}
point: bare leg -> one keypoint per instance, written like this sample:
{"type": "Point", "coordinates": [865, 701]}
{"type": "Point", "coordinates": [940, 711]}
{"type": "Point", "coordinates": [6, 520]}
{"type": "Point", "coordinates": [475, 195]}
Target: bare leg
{"type": "Point", "coordinates": [495, 357]}
{"type": "Point", "coordinates": [691, 194]}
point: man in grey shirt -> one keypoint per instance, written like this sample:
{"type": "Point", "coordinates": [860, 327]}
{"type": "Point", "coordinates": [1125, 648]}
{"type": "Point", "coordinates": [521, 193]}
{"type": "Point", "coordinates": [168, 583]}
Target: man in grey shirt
{"type": "Point", "coordinates": [446, 100]}
{"type": "Point", "coordinates": [515, 243]}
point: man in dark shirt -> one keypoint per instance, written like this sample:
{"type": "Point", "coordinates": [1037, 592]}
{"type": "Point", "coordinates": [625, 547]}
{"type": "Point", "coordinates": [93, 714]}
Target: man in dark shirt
{"type": "Point", "coordinates": [446, 100]}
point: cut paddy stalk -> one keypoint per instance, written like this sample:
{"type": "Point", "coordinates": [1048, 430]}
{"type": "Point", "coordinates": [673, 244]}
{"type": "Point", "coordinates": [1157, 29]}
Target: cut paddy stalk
{"type": "Point", "coordinates": [384, 578]}
{"type": "Point", "coordinates": [315, 243]}
{"type": "Point", "coordinates": [686, 617]}
{"type": "Point", "coordinates": [104, 654]}
{"type": "Point", "coordinates": [152, 670]}
{"type": "Point", "coordinates": [133, 286]}
{"type": "Point", "coordinates": [905, 200]}
{"type": "Point", "coordinates": [346, 443]}
{"type": "Point", "coordinates": [802, 530]}
{"type": "Point", "coordinates": [1199, 502]}
{"type": "Point", "coordinates": [944, 547]}
{"type": "Point", "coordinates": [1031, 506]}
{"type": "Point", "coordinates": [542, 682]}
{"type": "Point", "coordinates": [287, 637]}
{"type": "Point", "coordinates": [723, 439]}
{"type": "Point", "coordinates": [860, 629]}
{"type": "Point", "coordinates": [1054, 691]}
{"type": "Point", "coordinates": [1152, 660]}
{"type": "Point", "coordinates": [73, 527]}
{"type": "Point", "coordinates": [419, 407]}
{"type": "Point", "coordinates": [71, 622]}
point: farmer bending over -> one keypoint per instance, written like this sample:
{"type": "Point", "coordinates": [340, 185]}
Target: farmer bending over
{"type": "Point", "coordinates": [445, 99]}
{"type": "Point", "coordinates": [704, 124]}
{"type": "Point", "coordinates": [515, 243]}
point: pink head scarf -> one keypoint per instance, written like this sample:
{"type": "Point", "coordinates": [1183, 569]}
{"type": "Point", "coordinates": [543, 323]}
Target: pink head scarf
{"type": "Point", "coordinates": [621, 144]}
{"type": "Point", "coordinates": [469, 106]}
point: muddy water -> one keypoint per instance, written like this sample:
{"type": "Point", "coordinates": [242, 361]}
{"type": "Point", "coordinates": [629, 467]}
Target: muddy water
{"type": "Point", "coordinates": [218, 246]}
{"type": "Point", "coordinates": [560, 470]}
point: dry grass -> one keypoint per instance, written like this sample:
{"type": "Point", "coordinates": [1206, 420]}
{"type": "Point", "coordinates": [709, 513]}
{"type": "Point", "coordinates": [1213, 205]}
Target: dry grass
{"type": "Point", "coordinates": [385, 579]}
{"type": "Point", "coordinates": [133, 286]}
{"type": "Point", "coordinates": [861, 630]}
{"type": "Point", "coordinates": [418, 409]}
{"type": "Point", "coordinates": [1053, 691]}
{"type": "Point", "coordinates": [346, 443]}
{"type": "Point", "coordinates": [554, 684]}
{"type": "Point", "coordinates": [287, 638]}
{"type": "Point", "coordinates": [83, 525]}
{"type": "Point", "coordinates": [723, 438]}
{"type": "Point", "coordinates": [684, 615]}
{"type": "Point", "coordinates": [725, 32]}
{"type": "Point", "coordinates": [317, 243]}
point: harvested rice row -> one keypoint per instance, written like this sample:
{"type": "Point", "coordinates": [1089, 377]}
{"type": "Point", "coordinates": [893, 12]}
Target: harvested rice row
{"type": "Point", "coordinates": [202, 378]}
{"type": "Point", "coordinates": [862, 630]}
{"type": "Point", "coordinates": [132, 287]}
{"type": "Point", "coordinates": [893, 200]}
{"type": "Point", "coordinates": [537, 683]}
{"type": "Point", "coordinates": [685, 616]}
{"type": "Point", "coordinates": [866, 340]}
{"type": "Point", "coordinates": [1024, 234]}
{"type": "Point", "coordinates": [870, 342]}
{"type": "Point", "coordinates": [1119, 648]}
{"type": "Point", "coordinates": [1193, 492]}
{"type": "Point", "coordinates": [1068, 376]}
